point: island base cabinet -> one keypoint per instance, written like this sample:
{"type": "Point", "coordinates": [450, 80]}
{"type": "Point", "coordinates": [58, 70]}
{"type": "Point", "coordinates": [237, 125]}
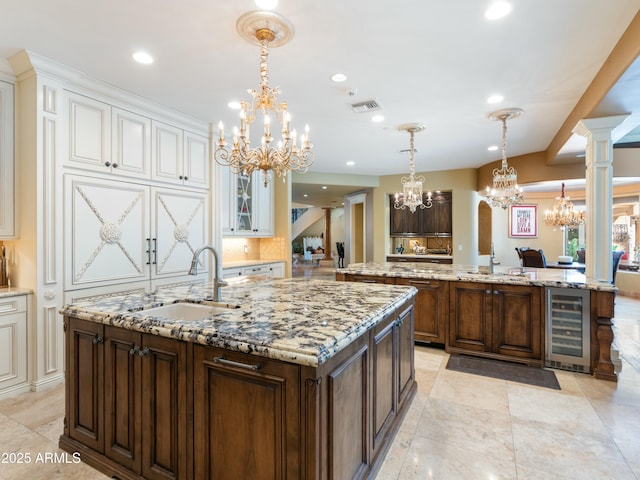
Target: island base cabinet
{"type": "Point", "coordinates": [431, 309]}
{"type": "Point", "coordinates": [246, 416]}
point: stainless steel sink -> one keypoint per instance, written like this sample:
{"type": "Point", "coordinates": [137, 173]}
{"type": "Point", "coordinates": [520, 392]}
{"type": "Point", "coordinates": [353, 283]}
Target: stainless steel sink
{"type": "Point", "coordinates": [188, 311]}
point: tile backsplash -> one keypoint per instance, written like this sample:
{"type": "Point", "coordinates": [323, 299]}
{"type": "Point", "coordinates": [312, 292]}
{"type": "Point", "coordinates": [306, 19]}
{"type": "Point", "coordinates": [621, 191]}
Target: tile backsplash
{"type": "Point", "coordinates": [239, 249]}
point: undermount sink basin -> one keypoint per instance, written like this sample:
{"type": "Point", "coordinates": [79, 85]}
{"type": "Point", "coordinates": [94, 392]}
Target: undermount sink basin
{"type": "Point", "coordinates": [187, 311]}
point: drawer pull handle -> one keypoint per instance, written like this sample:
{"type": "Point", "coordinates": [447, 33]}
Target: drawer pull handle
{"type": "Point", "coordinates": [368, 281]}
{"type": "Point", "coordinates": [415, 282]}
{"type": "Point", "coordinates": [223, 361]}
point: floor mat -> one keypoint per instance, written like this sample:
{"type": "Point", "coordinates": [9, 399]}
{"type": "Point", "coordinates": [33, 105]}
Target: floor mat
{"type": "Point", "coordinates": [503, 370]}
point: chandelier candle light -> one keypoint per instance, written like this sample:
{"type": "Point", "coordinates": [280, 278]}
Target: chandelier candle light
{"type": "Point", "coordinates": [265, 29]}
{"type": "Point", "coordinates": [505, 189]}
{"type": "Point", "coordinates": [411, 196]}
{"type": "Point", "coordinates": [563, 214]}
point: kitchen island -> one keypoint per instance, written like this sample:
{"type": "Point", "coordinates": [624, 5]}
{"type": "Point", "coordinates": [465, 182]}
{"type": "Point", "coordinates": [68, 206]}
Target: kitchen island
{"type": "Point", "coordinates": [288, 378]}
{"type": "Point", "coordinates": [499, 314]}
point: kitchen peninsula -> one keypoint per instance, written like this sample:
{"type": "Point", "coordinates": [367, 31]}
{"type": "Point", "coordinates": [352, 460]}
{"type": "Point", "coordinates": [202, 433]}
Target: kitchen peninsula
{"type": "Point", "coordinates": [500, 314]}
{"type": "Point", "coordinates": [288, 378]}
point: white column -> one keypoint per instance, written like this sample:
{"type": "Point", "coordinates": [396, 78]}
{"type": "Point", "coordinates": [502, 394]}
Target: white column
{"type": "Point", "coordinates": [599, 194]}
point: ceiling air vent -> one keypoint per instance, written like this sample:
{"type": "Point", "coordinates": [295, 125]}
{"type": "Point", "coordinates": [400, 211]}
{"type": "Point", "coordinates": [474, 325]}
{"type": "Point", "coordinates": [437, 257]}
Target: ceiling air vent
{"type": "Point", "coordinates": [366, 106]}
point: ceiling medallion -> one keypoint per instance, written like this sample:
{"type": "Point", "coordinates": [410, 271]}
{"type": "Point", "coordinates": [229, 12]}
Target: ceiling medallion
{"type": "Point", "coordinates": [264, 29]}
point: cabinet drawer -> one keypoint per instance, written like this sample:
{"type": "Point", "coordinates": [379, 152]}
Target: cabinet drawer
{"type": "Point", "coordinates": [257, 270]}
{"type": "Point", "coordinates": [13, 304]}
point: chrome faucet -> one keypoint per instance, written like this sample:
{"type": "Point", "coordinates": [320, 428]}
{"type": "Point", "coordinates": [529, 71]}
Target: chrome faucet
{"type": "Point", "coordinates": [492, 259]}
{"type": "Point", "coordinates": [217, 269]}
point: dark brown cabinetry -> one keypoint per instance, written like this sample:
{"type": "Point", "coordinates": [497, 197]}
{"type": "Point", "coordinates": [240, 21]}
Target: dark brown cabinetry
{"type": "Point", "coordinates": [435, 221]}
{"type": "Point", "coordinates": [246, 416]}
{"type": "Point", "coordinates": [502, 321]}
{"type": "Point", "coordinates": [132, 388]}
{"type": "Point", "coordinates": [431, 309]}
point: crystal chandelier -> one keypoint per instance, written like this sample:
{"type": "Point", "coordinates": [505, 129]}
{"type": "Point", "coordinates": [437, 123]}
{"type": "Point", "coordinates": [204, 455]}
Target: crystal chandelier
{"type": "Point", "coordinates": [265, 29]}
{"type": "Point", "coordinates": [505, 189]}
{"type": "Point", "coordinates": [563, 214]}
{"type": "Point", "coordinates": [411, 196]}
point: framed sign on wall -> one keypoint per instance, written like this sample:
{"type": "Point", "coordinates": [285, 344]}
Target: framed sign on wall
{"type": "Point", "coordinates": [523, 221]}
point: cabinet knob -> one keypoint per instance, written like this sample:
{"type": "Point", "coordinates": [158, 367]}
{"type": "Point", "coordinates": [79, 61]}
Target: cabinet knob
{"type": "Point", "coordinates": [98, 339]}
{"type": "Point", "coordinates": [186, 178]}
{"type": "Point", "coordinates": [115, 165]}
{"type": "Point", "coordinates": [181, 177]}
{"type": "Point", "coordinates": [488, 292]}
{"type": "Point", "coordinates": [496, 292]}
{"type": "Point", "coordinates": [107, 164]}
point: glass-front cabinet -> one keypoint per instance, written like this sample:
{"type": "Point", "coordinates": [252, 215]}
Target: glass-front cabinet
{"type": "Point", "coordinates": [247, 208]}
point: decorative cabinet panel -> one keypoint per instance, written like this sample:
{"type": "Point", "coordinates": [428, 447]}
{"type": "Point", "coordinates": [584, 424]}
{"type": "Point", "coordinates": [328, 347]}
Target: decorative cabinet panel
{"type": "Point", "coordinates": [116, 235]}
{"type": "Point", "coordinates": [13, 341]}
{"type": "Point", "coordinates": [7, 163]}
{"type": "Point", "coordinates": [249, 211]}
{"type": "Point", "coordinates": [195, 165]}
{"type": "Point", "coordinates": [89, 133]}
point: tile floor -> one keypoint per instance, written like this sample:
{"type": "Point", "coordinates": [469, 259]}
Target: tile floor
{"type": "Point", "coordinates": [459, 426]}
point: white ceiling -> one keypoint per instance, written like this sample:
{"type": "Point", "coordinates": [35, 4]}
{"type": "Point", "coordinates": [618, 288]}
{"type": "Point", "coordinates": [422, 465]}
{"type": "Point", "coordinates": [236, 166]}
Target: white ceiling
{"type": "Point", "coordinates": [432, 62]}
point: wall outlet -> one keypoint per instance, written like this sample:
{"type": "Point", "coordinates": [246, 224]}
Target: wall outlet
{"type": "Point", "coordinates": [246, 249]}
{"type": "Point", "coordinates": [459, 247]}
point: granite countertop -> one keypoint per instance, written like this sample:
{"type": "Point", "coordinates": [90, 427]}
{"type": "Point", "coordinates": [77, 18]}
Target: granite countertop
{"type": "Point", "coordinates": [302, 321]}
{"type": "Point", "coordinates": [543, 277]}
{"type": "Point", "coordinates": [13, 291]}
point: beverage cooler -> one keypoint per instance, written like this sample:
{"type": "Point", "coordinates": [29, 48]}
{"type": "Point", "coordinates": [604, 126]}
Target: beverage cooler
{"type": "Point", "coordinates": [567, 329]}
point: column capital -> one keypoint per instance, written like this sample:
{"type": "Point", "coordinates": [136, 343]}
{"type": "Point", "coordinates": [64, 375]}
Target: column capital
{"type": "Point", "coordinates": [587, 126]}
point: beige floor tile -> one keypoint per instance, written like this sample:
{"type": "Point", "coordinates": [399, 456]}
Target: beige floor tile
{"type": "Point", "coordinates": [472, 390]}
{"type": "Point", "coordinates": [528, 473]}
{"type": "Point", "coordinates": [428, 459]}
{"type": "Point", "coordinates": [41, 408]}
{"type": "Point", "coordinates": [568, 451]}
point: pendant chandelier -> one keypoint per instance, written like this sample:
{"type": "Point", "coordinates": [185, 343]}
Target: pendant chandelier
{"type": "Point", "coordinates": [265, 29]}
{"type": "Point", "coordinates": [411, 196]}
{"type": "Point", "coordinates": [505, 189]}
{"type": "Point", "coordinates": [563, 213]}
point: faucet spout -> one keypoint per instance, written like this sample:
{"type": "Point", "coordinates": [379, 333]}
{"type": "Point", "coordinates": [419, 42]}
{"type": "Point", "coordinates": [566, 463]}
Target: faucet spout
{"type": "Point", "coordinates": [217, 270]}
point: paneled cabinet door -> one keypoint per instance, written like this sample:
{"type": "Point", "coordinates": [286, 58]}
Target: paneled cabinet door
{"type": "Point", "coordinates": [166, 152]}
{"type": "Point", "coordinates": [131, 143]}
{"type": "Point", "coordinates": [13, 341]}
{"type": "Point", "coordinates": [7, 171]}
{"type": "Point", "coordinates": [106, 232]}
{"type": "Point", "coordinates": [470, 316]}
{"type": "Point", "coordinates": [180, 228]}
{"type": "Point", "coordinates": [195, 170]}
{"type": "Point", "coordinates": [262, 206]}
{"type": "Point", "coordinates": [431, 309]}
{"type": "Point", "coordinates": [89, 133]}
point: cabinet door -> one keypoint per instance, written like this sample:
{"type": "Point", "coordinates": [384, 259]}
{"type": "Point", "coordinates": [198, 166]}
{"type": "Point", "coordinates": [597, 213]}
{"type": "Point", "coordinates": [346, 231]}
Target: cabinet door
{"type": "Point", "coordinates": [397, 219]}
{"type": "Point", "coordinates": [444, 211]}
{"type": "Point", "coordinates": [227, 200]}
{"type": "Point", "coordinates": [517, 321]}
{"type": "Point", "coordinates": [470, 316]}
{"type": "Point", "coordinates": [164, 407]}
{"type": "Point", "coordinates": [106, 227]}
{"type": "Point", "coordinates": [123, 410]}
{"type": "Point", "coordinates": [85, 396]}
{"type": "Point", "coordinates": [237, 406]}
{"type": "Point", "coordinates": [195, 170]}
{"type": "Point", "coordinates": [405, 356]}
{"type": "Point", "coordinates": [244, 204]}
{"type": "Point", "coordinates": [262, 206]}
{"type": "Point", "coordinates": [131, 146]}
{"type": "Point", "coordinates": [13, 341]}
{"type": "Point", "coordinates": [89, 133]}
{"type": "Point", "coordinates": [166, 152]}
{"type": "Point", "coordinates": [383, 354]}
{"type": "Point", "coordinates": [431, 309]}
{"type": "Point", "coordinates": [7, 170]}
{"type": "Point", "coordinates": [180, 228]}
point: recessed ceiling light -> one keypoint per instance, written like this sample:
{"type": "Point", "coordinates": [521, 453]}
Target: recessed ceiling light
{"type": "Point", "coordinates": [351, 163]}
{"type": "Point", "coordinates": [338, 77]}
{"type": "Point", "coordinates": [324, 187]}
{"type": "Point", "coordinates": [142, 57]}
{"type": "Point", "coordinates": [496, 98]}
{"type": "Point", "coordinates": [497, 10]}
{"type": "Point", "coordinates": [267, 4]}
{"type": "Point", "coordinates": [235, 105]}
{"type": "Point", "coordinates": [493, 148]}
{"type": "Point", "coordinates": [305, 195]}
{"type": "Point", "coordinates": [377, 118]}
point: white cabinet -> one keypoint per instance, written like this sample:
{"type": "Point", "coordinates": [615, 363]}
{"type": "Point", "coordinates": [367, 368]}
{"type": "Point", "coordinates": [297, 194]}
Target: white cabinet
{"type": "Point", "coordinates": [180, 157]}
{"type": "Point", "coordinates": [249, 205]}
{"type": "Point", "coordinates": [7, 176]}
{"type": "Point", "coordinates": [120, 232]}
{"type": "Point", "coordinates": [113, 140]}
{"type": "Point", "coordinates": [272, 270]}
{"type": "Point", "coordinates": [13, 341]}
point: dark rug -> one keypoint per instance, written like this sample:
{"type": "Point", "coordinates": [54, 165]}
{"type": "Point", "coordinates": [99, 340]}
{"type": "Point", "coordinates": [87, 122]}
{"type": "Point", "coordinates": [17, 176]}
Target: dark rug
{"type": "Point", "coordinates": [503, 370]}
